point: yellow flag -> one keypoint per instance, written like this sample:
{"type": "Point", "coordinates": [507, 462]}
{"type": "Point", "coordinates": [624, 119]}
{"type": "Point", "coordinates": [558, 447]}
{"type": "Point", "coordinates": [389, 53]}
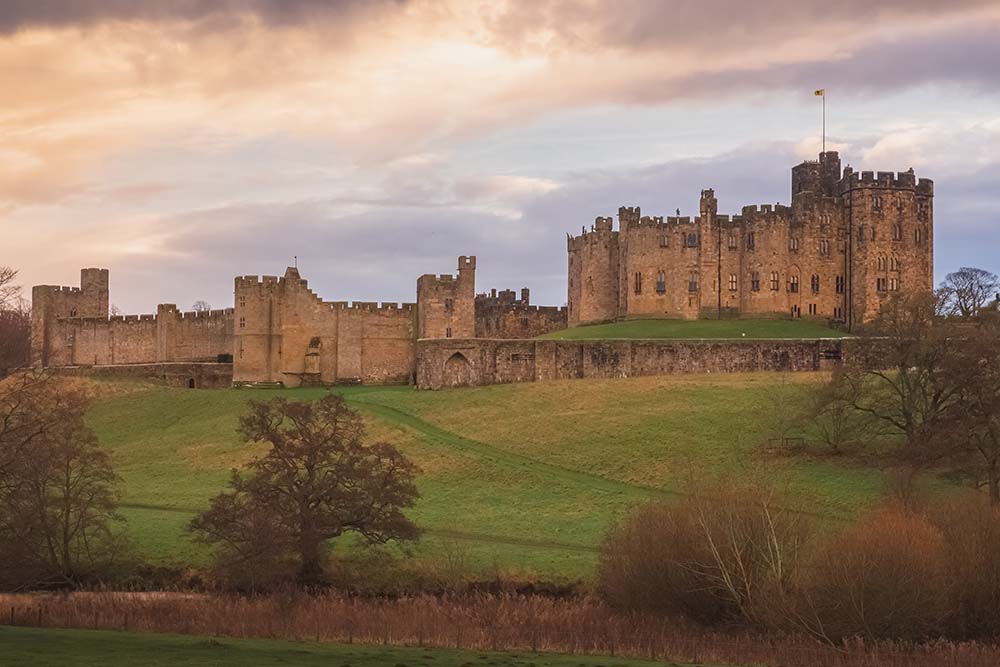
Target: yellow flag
{"type": "Point", "coordinates": [819, 93]}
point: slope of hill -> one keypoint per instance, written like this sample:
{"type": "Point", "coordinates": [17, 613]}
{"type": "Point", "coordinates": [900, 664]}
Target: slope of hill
{"type": "Point", "coordinates": [523, 478]}
{"type": "Point", "coordinates": [699, 329]}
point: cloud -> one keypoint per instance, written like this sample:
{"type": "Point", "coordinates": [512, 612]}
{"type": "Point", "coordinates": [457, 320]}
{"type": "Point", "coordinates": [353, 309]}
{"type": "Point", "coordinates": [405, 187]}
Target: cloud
{"type": "Point", "coordinates": [20, 14]}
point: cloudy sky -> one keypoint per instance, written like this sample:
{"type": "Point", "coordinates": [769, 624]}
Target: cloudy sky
{"type": "Point", "coordinates": [183, 142]}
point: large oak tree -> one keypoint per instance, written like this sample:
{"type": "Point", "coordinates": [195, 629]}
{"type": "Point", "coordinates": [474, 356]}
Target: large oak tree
{"type": "Point", "coordinates": [316, 482]}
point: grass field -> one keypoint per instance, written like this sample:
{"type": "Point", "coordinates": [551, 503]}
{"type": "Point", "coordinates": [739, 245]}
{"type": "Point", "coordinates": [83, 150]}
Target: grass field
{"type": "Point", "coordinates": [93, 648]}
{"type": "Point", "coordinates": [520, 478]}
{"type": "Point", "coordinates": [700, 329]}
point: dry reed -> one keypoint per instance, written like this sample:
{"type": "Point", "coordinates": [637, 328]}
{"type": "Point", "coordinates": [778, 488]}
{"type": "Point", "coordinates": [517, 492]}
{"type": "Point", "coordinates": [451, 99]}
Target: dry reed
{"type": "Point", "coordinates": [481, 622]}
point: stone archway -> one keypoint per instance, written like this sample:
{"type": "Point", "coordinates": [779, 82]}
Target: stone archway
{"type": "Point", "coordinates": [457, 371]}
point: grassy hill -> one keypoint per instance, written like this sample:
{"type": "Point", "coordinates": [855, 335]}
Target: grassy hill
{"type": "Point", "coordinates": [523, 478]}
{"type": "Point", "coordinates": [699, 329]}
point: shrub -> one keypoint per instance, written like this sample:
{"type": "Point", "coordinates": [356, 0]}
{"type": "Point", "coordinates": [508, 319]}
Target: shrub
{"type": "Point", "coordinates": [971, 529]}
{"type": "Point", "coordinates": [882, 578]}
{"type": "Point", "coordinates": [728, 555]}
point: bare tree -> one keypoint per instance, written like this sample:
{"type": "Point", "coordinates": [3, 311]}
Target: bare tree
{"type": "Point", "coordinates": [966, 291]}
{"type": "Point", "coordinates": [898, 375]}
{"type": "Point", "coordinates": [57, 487]}
{"type": "Point", "coordinates": [972, 425]}
{"type": "Point", "coordinates": [115, 311]}
{"type": "Point", "coordinates": [201, 306]}
{"type": "Point", "coordinates": [10, 293]}
{"type": "Point", "coordinates": [317, 482]}
{"type": "Point", "coordinates": [15, 324]}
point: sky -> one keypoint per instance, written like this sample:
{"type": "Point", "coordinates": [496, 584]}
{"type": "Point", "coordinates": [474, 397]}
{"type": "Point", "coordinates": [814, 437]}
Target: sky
{"type": "Point", "coordinates": [180, 143]}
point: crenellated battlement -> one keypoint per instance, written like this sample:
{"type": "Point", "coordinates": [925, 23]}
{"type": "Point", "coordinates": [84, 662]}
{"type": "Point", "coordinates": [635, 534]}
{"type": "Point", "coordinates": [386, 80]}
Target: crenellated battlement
{"type": "Point", "coordinates": [903, 180]}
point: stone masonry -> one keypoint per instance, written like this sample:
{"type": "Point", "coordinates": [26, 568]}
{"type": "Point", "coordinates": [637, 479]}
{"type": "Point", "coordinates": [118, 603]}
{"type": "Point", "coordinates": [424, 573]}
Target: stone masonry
{"type": "Point", "coordinates": [847, 242]}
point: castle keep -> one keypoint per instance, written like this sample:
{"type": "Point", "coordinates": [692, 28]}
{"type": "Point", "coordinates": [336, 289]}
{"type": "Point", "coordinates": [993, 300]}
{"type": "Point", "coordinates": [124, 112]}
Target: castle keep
{"type": "Point", "coordinates": [847, 242]}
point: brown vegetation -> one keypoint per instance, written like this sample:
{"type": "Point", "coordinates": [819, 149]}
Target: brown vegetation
{"type": "Point", "coordinates": [484, 622]}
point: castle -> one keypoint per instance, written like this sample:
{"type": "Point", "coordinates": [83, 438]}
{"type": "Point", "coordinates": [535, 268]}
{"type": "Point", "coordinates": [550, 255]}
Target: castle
{"type": "Point", "coordinates": [846, 242]}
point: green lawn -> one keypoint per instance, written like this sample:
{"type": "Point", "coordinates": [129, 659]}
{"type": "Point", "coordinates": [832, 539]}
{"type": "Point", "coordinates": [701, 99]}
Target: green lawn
{"type": "Point", "coordinates": [94, 648]}
{"type": "Point", "coordinates": [518, 478]}
{"type": "Point", "coordinates": [700, 329]}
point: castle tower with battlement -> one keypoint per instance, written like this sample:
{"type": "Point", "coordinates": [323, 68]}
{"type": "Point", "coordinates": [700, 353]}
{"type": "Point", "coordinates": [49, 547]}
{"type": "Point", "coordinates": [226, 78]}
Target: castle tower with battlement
{"type": "Point", "coordinates": [846, 243]}
{"type": "Point", "coordinates": [446, 304]}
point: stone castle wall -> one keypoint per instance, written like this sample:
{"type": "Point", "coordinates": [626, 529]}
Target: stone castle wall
{"type": "Point", "coordinates": [71, 327]}
{"type": "Point", "coordinates": [847, 242]}
{"type": "Point", "coordinates": [193, 375]}
{"type": "Point", "coordinates": [479, 362]}
{"type": "Point", "coordinates": [446, 303]}
{"type": "Point", "coordinates": [504, 315]}
{"type": "Point", "coordinates": [286, 333]}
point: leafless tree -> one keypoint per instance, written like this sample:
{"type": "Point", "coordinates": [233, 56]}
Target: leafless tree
{"type": "Point", "coordinates": [201, 306]}
{"type": "Point", "coordinates": [972, 424]}
{"type": "Point", "coordinates": [57, 487]}
{"type": "Point", "coordinates": [317, 482]}
{"type": "Point", "coordinates": [899, 375]}
{"type": "Point", "coordinates": [15, 324]}
{"type": "Point", "coordinates": [966, 291]}
{"type": "Point", "coordinates": [10, 293]}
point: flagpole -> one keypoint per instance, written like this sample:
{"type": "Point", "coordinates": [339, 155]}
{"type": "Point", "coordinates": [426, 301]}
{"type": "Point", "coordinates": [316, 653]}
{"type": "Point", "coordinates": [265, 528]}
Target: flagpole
{"type": "Point", "coordinates": [824, 121]}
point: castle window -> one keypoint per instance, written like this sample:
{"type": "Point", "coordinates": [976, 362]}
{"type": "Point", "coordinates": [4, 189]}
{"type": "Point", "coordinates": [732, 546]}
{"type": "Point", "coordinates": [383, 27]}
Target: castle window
{"type": "Point", "coordinates": [449, 305]}
{"type": "Point", "coordinates": [638, 282]}
{"type": "Point", "coordinates": [880, 263]}
{"type": "Point", "coordinates": [796, 311]}
{"type": "Point", "coordinates": [893, 264]}
{"type": "Point", "coordinates": [243, 322]}
{"type": "Point", "coordinates": [840, 284]}
{"type": "Point", "coordinates": [693, 282]}
{"type": "Point", "coordinates": [750, 241]}
{"type": "Point", "coordinates": [838, 313]}
{"type": "Point", "coordinates": [243, 302]}
{"type": "Point", "coordinates": [732, 242]}
{"type": "Point", "coordinates": [775, 281]}
{"type": "Point", "coordinates": [524, 321]}
{"type": "Point", "coordinates": [897, 232]}
{"type": "Point", "coordinates": [824, 247]}
{"type": "Point", "coordinates": [664, 241]}
{"type": "Point", "coordinates": [732, 282]}
{"type": "Point", "coordinates": [793, 284]}
{"type": "Point", "coordinates": [812, 308]}
{"type": "Point", "coordinates": [692, 240]}
{"type": "Point", "coordinates": [447, 332]}
{"type": "Point", "coordinates": [814, 283]}
{"type": "Point", "coordinates": [72, 312]}
{"type": "Point", "coordinates": [876, 202]}
{"type": "Point", "coordinates": [755, 281]}
{"type": "Point", "coordinates": [893, 284]}
{"type": "Point", "coordinates": [922, 210]}
{"type": "Point", "coordinates": [793, 243]}
{"type": "Point", "coordinates": [880, 284]}
{"type": "Point", "coordinates": [873, 233]}
{"type": "Point", "coordinates": [661, 282]}
{"type": "Point", "coordinates": [918, 235]}
{"type": "Point", "coordinates": [861, 233]}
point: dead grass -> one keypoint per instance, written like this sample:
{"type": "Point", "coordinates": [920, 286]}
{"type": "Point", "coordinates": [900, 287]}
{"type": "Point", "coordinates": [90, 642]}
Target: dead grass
{"type": "Point", "coordinates": [482, 622]}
